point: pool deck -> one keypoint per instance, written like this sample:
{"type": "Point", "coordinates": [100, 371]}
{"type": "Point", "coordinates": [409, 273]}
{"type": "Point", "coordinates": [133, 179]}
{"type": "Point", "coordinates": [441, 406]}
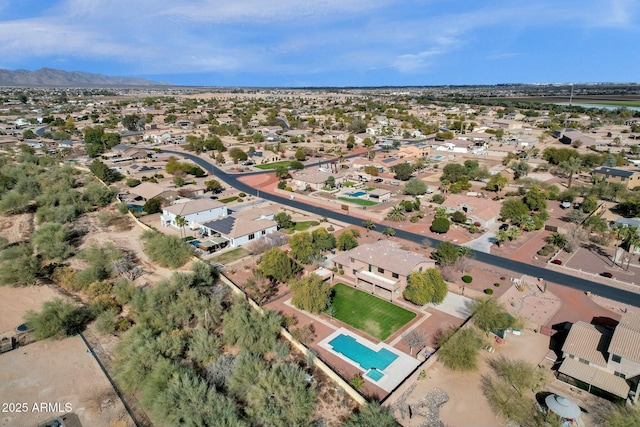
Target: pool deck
{"type": "Point", "coordinates": [395, 373]}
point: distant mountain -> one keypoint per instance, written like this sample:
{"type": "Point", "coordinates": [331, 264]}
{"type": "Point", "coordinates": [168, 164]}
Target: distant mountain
{"type": "Point", "coordinates": [48, 77]}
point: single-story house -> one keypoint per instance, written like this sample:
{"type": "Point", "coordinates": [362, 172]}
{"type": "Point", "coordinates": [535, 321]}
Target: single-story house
{"type": "Point", "coordinates": [478, 209]}
{"type": "Point", "coordinates": [314, 179]}
{"type": "Point", "coordinates": [148, 190]}
{"type": "Point", "coordinates": [195, 212]}
{"type": "Point", "coordinates": [381, 268]}
{"type": "Point", "coordinates": [239, 230]}
{"type": "Point", "coordinates": [380, 195]}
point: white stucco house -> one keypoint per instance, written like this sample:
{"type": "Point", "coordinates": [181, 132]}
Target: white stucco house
{"type": "Point", "coordinates": [196, 212]}
{"type": "Point", "coordinates": [240, 229]}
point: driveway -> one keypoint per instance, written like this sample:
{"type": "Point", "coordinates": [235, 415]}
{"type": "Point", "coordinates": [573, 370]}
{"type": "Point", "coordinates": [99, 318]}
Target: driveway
{"type": "Point", "coordinates": [453, 304]}
{"type": "Point", "coordinates": [483, 243]}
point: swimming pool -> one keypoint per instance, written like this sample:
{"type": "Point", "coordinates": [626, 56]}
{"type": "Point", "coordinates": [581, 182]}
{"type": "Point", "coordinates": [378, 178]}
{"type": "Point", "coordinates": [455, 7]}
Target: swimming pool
{"type": "Point", "coordinates": [363, 355]}
{"type": "Point", "coordinates": [438, 157]}
{"type": "Point", "coordinates": [375, 374]}
{"type": "Point", "coordinates": [194, 242]}
{"type": "Point", "coordinates": [357, 194]}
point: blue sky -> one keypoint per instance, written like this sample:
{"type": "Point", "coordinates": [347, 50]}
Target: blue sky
{"type": "Point", "coordinates": [327, 42]}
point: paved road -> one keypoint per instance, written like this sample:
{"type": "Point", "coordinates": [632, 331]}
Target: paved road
{"type": "Point", "coordinates": [494, 260]}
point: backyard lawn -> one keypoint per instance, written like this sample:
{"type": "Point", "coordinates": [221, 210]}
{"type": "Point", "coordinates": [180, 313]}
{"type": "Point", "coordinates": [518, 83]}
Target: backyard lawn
{"type": "Point", "coordinates": [361, 202]}
{"type": "Point", "coordinates": [372, 315]}
{"type": "Point", "coordinates": [230, 256]}
{"type": "Point", "coordinates": [300, 226]}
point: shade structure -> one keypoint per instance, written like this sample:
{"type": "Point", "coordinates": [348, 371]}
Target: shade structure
{"type": "Point", "coordinates": [562, 407]}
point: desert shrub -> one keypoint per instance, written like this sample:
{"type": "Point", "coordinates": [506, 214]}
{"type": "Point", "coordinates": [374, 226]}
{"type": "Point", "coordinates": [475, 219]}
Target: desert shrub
{"type": "Point", "coordinates": [488, 291]}
{"type": "Point", "coordinates": [497, 285]}
{"type": "Point", "coordinates": [459, 352]}
{"type": "Point", "coordinates": [438, 198]}
{"type": "Point", "coordinates": [282, 185]}
{"type": "Point", "coordinates": [57, 319]}
{"type": "Point", "coordinates": [107, 321]}
{"type": "Point", "coordinates": [415, 218]}
{"type": "Point", "coordinates": [166, 251]}
{"type": "Point", "coordinates": [477, 224]}
{"type": "Point", "coordinates": [287, 188]}
{"type": "Point", "coordinates": [123, 208]}
{"type": "Point", "coordinates": [467, 279]}
{"type": "Point", "coordinates": [546, 250]}
{"type": "Point", "coordinates": [241, 194]}
{"type": "Point", "coordinates": [459, 217]}
{"type": "Point", "coordinates": [132, 182]}
{"type": "Point", "coordinates": [440, 225]}
{"type": "Point", "coordinates": [357, 381]}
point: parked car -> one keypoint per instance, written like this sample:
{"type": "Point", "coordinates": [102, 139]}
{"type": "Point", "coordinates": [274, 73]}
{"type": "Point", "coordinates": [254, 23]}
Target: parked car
{"type": "Point", "coordinates": [503, 227]}
{"type": "Point", "coordinates": [394, 183]}
{"type": "Point", "coordinates": [607, 274]}
{"type": "Point", "coordinates": [378, 180]}
{"type": "Point", "coordinates": [557, 262]}
{"type": "Point", "coordinates": [248, 163]}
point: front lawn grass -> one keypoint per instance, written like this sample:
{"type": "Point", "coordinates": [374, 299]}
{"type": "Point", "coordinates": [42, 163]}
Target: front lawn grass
{"type": "Point", "coordinates": [274, 165]}
{"type": "Point", "coordinates": [300, 226]}
{"type": "Point", "coordinates": [367, 313]}
{"type": "Point", "coordinates": [361, 202]}
{"type": "Point", "coordinates": [229, 199]}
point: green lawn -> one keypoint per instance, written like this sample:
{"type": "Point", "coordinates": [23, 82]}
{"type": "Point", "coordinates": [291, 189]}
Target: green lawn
{"type": "Point", "coordinates": [300, 226]}
{"type": "Point", "coordinates": [230, 256]}
{"type": "Point", "coordinates": [229, 199]}
{"type": "Point", "coordinates": [268, 166]}
{"type": "Point", "coordinates": [361, 202]}
{"type": "Point", "coordinates": [367, 313]}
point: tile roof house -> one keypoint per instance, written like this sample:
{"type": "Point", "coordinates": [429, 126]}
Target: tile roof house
{"type": "Point", "coordinates": [382, 267]}
{"type": "Point", "coordinates": [482, 210]}
{"type": "Point", "coordinates": [240, 230]}
{"type": "Point", "coordinates": [314, 179]}
{"type": "Point", "coordinates": [195, 212]}
{"type": "Point", "coordinates": [148, 190]}
{"type": "Point", "coordinates": [604, 359]}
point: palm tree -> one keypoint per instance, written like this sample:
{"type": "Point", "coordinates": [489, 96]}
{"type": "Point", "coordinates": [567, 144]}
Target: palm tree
{"type": "Point", "coordinates": [445, 184]}
{"type": "Point", "coordinates": [569, 167]}
{"type": "Point", "coordinates": [389, 232]}
{"type": "Point", "coordinates": [465, 252]}
{"type": "Point", "coordinates": [557, 239]}
{"type": "Point", "coordinates": [396, 214]}
{"type": "Point", "coordinates": [369, 225]}
{"type": "Point", "coordinates": [181, 222]}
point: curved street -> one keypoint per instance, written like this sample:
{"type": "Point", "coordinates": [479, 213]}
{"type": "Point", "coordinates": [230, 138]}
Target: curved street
{"type": "Point", "coordinates": [581, 284]}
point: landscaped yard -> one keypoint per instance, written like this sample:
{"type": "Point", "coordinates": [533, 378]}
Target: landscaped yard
{"type": "Point", "coordinates": [361, 202]}
{"type": "Point", "coordinates": [367, 313]}
{"type": "Point", "coordinates": [230, 256]}
{"type": "Point", "coordinates": [229, 199]}
{"type": "Point", "coordinates": [268, 166]}
{"type": "Point", "coordinates": [300, 226]}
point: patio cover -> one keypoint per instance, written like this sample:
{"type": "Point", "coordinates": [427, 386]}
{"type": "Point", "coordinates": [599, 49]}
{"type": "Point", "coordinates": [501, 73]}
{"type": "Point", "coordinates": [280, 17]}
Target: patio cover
{"type": "Point", "coordinates": [595, 376]}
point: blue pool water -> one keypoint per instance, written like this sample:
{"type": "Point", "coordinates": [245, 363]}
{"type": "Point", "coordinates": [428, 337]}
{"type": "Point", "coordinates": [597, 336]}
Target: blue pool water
{"type": "Point", "coordinates": [362, 355]}
{"type": "Point", "coordinates": [374, 374]}
{"type": "Point", "coordinates": [195, 243]}
{"type": "Point", "coordinates": [136, 208]}
{"type": "Point", "coordinates": [357, 194]}
{"type": "Point", "coordinates": [438, 157]}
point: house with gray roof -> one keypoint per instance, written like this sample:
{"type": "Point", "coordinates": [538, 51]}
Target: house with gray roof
{"type": "Point", "coordinates": [195, 212]}
{"type": "Point", "coordinates": [239, 229]}
{"type": "Point", "coordinates": [381, 268]}
{"type": "Point", "coordinates": [630, 177]}
{"type": "Point", "coordinates": [605, 359]}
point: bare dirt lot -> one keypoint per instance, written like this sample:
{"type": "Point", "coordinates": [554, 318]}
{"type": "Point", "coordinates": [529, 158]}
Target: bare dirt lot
{"type": "Point", "coordinates": [62, 375]}
{"type": "Point", "coordinates": [16, 228]}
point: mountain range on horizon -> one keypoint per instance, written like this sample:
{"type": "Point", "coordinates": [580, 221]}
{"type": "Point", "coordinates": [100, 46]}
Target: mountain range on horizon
{"type": "Point", "coordinates": [49, 77]}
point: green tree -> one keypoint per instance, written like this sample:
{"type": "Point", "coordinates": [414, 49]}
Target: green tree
{"type": "Point", "coordinates": [390, 232]}
{"type": "Point", "coordinates": [415, 187]}
{"type": "Point", "coordinates": [570, 167]}
{"type": "Point", "coordinates": [133, 122]}
{"type": "Point", "coordinates": [311, 293]}
{"type": "Point", "coordinates": [460, 351]}
{"type": "Point", "coordinates": [397, 214]}
{"type": "Point", "coordinates": [453, 172]}
{"type": "Point", "coordinates": [282, 172]}
{"type": "Point", "coordinates": [153, 205]}
{"type": "Point", "coordinates": [277, 265]}
{"type": "Point", "coordinates": [52, 241]}
{"type": "Point", "coordinates": [283, 220]}
{"type": "Point", "coordinates": [440, 225]}
{"type": "Point", "coordinates": [237, 154]}
{"type": "Point", "coordinates": [19, 266]}
{"type": "Point", "coordinates": [520, 169]}
{"type": "Point", "coordinates": [302, 247]}
{"type": "Point", "coordinates": [372, 414]}
{"type": "Point", "coordinates": [426, 287]}
{"type": "Point", "coordinates": [103, 173]}
{"type": "Point", "coordinates": [445, 254]}
{"type": "Point", "coordinates": [322, 239]}
{"type": "Point", "coordinates": [589, 204]}
{"type": "Point", "coordinates": [181, 222]}
{"type": "Point", "coordinates": [213, 185]}
{"type": "Point", "coordinates": [402, 171]}
{"type": "Point", "coordinates": [535, 199]}
{"type": "Point", "coordinates": [489, 314]}
{"type": "Point", "coordinates": [557, 239]}
{"type": "Point", "coordinates": [165, 250]}
{"type": "Point", "coordinates": [300, 154]}
{"type": "Point", "coordinates": [513, 208]}
{"type": "Point", "coordinates": [496, 183]}
{"type": "Point", "coordinates": [57, 319]}
{"type": "Point", "coordinates": [331, 181]}
{"type": "Point", "coordinates": [346, 240]}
